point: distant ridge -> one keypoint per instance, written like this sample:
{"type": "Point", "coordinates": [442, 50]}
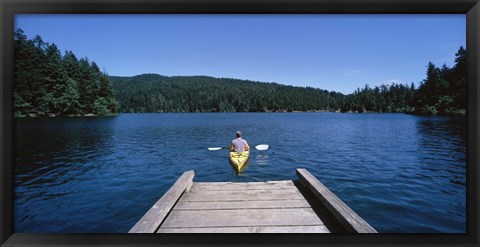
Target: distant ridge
{"type": "Point", "coordinates": [158, 93]}
{"type": "Point", "coordinates": [442, 92]}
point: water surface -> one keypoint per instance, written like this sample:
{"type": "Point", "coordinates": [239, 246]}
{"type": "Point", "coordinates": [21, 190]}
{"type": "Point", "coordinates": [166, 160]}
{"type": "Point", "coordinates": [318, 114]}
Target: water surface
{"type": "Point", "coordinates": [401, 173]}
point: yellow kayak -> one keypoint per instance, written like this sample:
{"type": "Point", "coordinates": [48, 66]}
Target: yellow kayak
{"type": "Point", "coordinates": [239, 159]}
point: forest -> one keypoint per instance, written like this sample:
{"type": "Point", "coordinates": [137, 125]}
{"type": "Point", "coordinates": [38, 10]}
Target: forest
{"type": "Point", "coordinates": [156, 93]}
{"type": "Point", "coordinates": [49, 84]}
{"type": "Point", "coordinates": [442, 92]}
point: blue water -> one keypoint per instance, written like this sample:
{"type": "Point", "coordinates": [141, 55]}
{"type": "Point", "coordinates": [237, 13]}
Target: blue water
{"type": "Point", "coordinates": [401, 173]}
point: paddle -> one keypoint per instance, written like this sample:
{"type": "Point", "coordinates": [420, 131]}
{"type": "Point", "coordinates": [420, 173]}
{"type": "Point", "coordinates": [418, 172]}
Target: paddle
{"type": "Point", "coordinates": [260, 147]}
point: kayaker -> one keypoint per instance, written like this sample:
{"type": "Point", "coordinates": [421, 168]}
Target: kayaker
{"type": "Point", "coordinates": [239, 144]}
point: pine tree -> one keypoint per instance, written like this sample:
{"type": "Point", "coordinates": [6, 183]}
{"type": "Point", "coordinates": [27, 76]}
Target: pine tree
{"type": "Point", "coordinates": [46, 83]}
{"type": "Point", "coordinates": [460, 78]}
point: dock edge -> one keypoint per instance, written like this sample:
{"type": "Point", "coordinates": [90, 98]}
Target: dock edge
{"type": "Point", "coordinates": [152, 220]}
{"type": "Point", "coordinates": [341, 211]}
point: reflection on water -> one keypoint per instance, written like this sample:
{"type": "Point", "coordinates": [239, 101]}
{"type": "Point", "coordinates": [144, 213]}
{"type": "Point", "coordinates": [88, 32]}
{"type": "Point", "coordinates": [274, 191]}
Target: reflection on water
{"type": "Point", "coordinates": [436, 146]}
{"type": "Point", "coordinates": [262, 159]}
{"type": "Point", "coordinates": [401, 173]}
{"type": "Point", "coordinates": [55, 154]}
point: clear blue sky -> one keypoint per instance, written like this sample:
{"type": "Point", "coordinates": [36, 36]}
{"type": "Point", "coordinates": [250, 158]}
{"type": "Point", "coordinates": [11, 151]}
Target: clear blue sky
{"type": "Point", "coordinates": [332, 52]}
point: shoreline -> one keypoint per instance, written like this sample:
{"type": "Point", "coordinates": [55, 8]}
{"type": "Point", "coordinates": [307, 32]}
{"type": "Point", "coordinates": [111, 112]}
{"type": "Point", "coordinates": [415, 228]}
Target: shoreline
{"type": "Point", "coordinates": [91, 115]}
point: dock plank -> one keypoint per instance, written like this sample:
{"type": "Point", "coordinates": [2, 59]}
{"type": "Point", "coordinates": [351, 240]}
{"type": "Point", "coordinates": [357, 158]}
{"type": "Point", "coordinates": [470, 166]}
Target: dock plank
{"type": "Point", "coordinates": [341, 211]}
{"type": "Point", "coordinates": [252, 229]}
{"type": "Point", "coordinates": [250, 207]}
{"type": "Point", "coordinates": [217, 186]}
{"type": "Point", "coordinates": [242, 217]}
{"type": "Point", "coordinates": [244, 195]}
{"type": "Point", "coordinates": [227, 205]}
{"type": "Point", "coordinates": [157, 213]}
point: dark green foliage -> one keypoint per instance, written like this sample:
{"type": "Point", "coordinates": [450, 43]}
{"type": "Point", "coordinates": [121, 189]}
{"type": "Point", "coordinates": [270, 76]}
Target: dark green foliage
{"type": "Point", "coordinates": [47, 83]}
{"type": "Point", "coordinates": [443, 91]}
{"type": "Point", "coordinates": [393, 98]}
{"type": "Point", "coordinates": [156, 93]}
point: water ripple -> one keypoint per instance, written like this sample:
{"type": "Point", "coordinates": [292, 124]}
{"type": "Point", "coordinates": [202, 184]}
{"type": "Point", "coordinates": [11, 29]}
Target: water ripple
{"type": "Point", "coordinates": [401, 173]}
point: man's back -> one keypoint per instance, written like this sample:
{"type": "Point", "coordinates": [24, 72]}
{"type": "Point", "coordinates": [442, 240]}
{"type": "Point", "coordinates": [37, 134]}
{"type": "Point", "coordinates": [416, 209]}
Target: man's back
{"type": "Point", "coordinates": [239, 144]}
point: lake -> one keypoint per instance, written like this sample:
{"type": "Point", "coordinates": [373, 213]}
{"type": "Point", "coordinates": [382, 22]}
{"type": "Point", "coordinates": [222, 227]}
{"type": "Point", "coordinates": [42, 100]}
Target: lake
{"type": "Point", "coordinates": [401, 173]}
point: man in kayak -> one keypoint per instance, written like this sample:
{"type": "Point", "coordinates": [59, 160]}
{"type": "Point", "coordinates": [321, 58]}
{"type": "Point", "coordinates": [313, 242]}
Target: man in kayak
{"type": "Point", "coordinates": [239, 144]}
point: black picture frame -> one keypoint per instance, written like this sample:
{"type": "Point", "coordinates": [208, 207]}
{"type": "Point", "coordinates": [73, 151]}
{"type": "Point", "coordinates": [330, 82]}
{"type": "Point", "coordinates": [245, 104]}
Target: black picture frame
{"type": "Point", "coordinates": [10, 7]}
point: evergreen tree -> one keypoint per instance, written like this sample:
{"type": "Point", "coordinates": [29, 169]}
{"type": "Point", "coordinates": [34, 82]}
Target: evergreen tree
{"type": "Point", "coordinates": [86, 87]}
{"type": "Point", "coordinates": [45, 83]}
{"type": "Point", "coordinates": [443, 91]}
{"type": "Point", "coordinates": [459, 78]}
{"type": "Point", "coordinates": [71, 65]}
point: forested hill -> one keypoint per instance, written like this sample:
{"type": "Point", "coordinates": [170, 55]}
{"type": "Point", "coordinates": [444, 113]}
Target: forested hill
{"type": "Point", "coordinates": [156, 93]}
{"type": "Point", "coordinates": [47, 83]}
{"type": "Point", "coordinates": [441, 92]}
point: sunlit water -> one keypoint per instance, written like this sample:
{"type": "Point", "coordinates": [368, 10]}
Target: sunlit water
{"type": "Point", "coordinates": [401, 173]}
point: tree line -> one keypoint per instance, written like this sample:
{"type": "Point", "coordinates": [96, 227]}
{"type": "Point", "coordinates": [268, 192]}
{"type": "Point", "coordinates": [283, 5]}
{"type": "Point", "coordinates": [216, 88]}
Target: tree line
{"type": "Point", "coordinates": [49, 84]}
{"type": "Point", "coordinates": [156, 93]}
{"type": "Point", "coordinates": [444, 89]}
{"type": "Point", "coordinates": [383, 98]}
{"type": "Point", "coordinates": [442, 92]}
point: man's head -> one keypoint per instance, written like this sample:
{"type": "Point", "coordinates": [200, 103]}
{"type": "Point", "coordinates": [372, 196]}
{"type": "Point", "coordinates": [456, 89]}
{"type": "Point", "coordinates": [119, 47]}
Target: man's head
{"type": "Point", "coordinates": [239, 134]}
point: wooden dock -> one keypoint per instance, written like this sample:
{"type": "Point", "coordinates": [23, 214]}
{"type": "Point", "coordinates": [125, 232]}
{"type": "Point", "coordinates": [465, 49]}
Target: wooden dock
{"type": "Point", "coordinates": [302, 206]}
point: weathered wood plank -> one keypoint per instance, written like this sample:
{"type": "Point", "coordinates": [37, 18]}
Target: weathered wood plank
{"type": "Point", "coordinates": [157, 213]}
{"type": "Point", "coordinates": [242, 217]}
{"type": "Point", "coordinates": [244, 195]}
{"type": "Point", "coordinates": [274, 185]}
{"type": "Point", "coordinates": [253, 229]}
{"type": "Point", "coordinates": [252, 207]}
{"type": "Point", "coordinates": [343, 213]}
{"type": "Point", "coordinates": [287, 203]}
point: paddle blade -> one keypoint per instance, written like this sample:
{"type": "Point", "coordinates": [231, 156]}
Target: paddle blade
{"type": "Point", "coordinates": [214, 149]}
{"type": "Point", "coordinates": [262, 147]}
